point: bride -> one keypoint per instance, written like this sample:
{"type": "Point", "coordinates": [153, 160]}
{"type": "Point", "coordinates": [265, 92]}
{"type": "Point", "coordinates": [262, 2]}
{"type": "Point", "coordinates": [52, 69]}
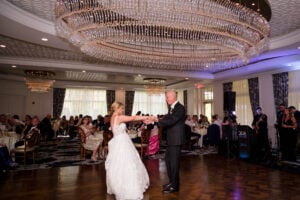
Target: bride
{"type": "Point", "coordinates": [126, 175]}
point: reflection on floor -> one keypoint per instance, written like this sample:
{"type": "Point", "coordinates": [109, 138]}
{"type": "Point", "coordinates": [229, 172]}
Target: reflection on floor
{"type": "Point", "coordinates": [203, 177]}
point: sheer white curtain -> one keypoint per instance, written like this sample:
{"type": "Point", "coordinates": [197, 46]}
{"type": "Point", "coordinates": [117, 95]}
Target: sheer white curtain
{"type": "Point", "coordinates": [242, 102]}
{"type": "Point", "coordinates": [84, 101]}
{"type": "Point", "coordinates": [294, 89]}
{"type": "Point", "coordinates": [149, 104]}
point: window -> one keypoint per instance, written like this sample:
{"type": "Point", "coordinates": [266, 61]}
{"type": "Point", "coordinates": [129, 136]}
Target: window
{"type": "Point", "coordinates": [242, 105]}
{"type": "Point", "coordinates": [208, 96]}
{"type": "Point", "coordinates": [149, 104]}
{"type": "Point", "coordinates": [84, 101]}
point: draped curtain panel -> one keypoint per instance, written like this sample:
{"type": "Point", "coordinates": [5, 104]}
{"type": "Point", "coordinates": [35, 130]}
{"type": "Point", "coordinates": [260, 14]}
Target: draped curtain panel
{"type": "Point", "coordinates": [110, 98]}
{"type": "Point", "coordinates": [129, 99]}
{"type": "Point", "coordinates": [185, 99]}
{"type": "Point", "coordinates": [253, 93]}
{"type": "Point", "coordinates": [280, 88]}
{"type": "Point", "coordinates": [58, 101]}
{"type": "Point", "coordinates": [227, 87]}
{"type": "Point", "coordinates": [294, 89]}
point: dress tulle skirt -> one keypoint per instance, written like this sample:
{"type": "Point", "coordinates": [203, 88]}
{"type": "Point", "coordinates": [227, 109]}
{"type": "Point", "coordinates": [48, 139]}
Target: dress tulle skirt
{"type": "Point", "coordinates": [126, 175]}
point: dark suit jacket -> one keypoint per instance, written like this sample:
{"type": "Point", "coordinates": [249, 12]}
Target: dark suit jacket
{"type": "Point", "coordinates": [173, 122]}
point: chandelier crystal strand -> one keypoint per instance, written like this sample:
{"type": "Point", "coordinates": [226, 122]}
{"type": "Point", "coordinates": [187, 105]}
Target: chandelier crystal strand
{"type": "Point", "coordinates": [166, 34]}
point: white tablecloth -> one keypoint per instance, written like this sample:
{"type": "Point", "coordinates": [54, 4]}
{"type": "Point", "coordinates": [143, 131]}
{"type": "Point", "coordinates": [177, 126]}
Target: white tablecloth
{"type": "Point", "coordinates": [9, 139]}
{"type": "Point", "coordinates": [202, 132]}
{"type": "Point", "coordinates": [132, 133]}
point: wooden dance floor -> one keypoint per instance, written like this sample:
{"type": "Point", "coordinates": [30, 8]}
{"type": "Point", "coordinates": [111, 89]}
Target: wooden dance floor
{"type": "Point", "coordinates": [202, 178]}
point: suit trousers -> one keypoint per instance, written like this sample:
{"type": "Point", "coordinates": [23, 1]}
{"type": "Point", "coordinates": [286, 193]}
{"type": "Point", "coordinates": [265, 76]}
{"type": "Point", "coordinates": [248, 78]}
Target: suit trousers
{"type": "Point", "coordinates": [173, 164]}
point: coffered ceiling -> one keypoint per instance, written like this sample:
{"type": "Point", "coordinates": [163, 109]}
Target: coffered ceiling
{"type": "Point", "coordinates": [24, 23]}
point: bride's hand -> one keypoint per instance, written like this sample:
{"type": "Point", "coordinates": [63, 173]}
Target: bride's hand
{"type": "Point", "coordinates": [147, 121]}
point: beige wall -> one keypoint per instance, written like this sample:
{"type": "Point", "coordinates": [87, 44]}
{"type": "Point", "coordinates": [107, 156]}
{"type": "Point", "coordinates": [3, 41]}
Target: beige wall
{"type": "Point", "coordinates": [16, 99]}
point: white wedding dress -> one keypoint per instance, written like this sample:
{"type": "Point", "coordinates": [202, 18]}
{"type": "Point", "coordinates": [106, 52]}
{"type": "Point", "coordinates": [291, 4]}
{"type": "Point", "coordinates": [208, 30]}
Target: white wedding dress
{"type": "Point", "coordinates": [126, 175]}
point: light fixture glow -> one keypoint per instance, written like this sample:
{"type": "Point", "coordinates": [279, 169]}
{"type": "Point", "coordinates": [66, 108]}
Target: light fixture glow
{"type": "Point", "coordinates": [39, 81]}
{"type": "Point", "coordinates": [164, 34]}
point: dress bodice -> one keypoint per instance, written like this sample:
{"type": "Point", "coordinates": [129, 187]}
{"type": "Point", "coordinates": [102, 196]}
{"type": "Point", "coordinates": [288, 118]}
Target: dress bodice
{"type": "Point", "coordinates": [118, 128]}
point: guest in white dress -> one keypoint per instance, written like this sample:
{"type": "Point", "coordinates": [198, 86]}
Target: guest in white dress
{"type": "Point", "coordinates": [93, 139]}
{"type": "Point", "coordinates": [126, 175]}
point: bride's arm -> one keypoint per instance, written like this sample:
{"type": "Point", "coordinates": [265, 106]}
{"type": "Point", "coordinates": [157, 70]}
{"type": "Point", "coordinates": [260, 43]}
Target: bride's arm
{"type": "Point", "coordinates": [125, 118]}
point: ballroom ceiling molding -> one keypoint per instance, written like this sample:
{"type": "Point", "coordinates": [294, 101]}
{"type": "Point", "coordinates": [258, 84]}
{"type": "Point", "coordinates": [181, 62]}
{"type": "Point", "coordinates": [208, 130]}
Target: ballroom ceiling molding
{"type": "Point", "coordinates": [24, 16]}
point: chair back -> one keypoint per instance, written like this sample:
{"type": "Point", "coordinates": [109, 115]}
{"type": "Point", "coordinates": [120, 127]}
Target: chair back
{"type": "Point", "coordinates": [82, 135]}
{"type": "Point", "coordinates": [145, 135]}
{"type": "Point", "coordinates": [32, 139]}
{"type": "Point", "coordinates": [107, 135]}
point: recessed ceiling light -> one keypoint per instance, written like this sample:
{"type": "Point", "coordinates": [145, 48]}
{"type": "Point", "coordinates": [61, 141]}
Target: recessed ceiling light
{"type": "Point", "coordinates": [139, 75]}
{"type": "Point", "coordinates": [13, 66]}
{"type": "Point", "coordinates": [258, 9]}
{"type": "Point", "coordinates": [186, 78]}
{"type": "Point", "coordinates": [2, 46]}
{"type": "Point", "coordinates": [206, 66]}
{"type": "Point", "coordinates": [290, 65]}
{"type": "Point", "coordinates": [83, 71]}
{"type": "Point", "coordinates": [45, 39]}
{"type": "Point", "coordinates": [253, 4]}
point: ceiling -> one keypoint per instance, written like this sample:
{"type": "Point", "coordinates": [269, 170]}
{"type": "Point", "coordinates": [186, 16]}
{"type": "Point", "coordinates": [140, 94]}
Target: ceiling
{"type": "Point", "coordinates": [24, 23]}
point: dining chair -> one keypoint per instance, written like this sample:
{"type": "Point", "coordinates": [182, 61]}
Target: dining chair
{"type": "Point", "coordinates": [82, 137]}
{"type": "Point", "coordinates": [143, 144]}
{"type": "Point", "coordinates": [31, 146]}
{"type": "Point", "coordinates": [107, 136]}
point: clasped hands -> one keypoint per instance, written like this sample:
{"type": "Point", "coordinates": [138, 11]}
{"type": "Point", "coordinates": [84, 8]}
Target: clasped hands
{"type": "Point", "coordinates": [150, 120]}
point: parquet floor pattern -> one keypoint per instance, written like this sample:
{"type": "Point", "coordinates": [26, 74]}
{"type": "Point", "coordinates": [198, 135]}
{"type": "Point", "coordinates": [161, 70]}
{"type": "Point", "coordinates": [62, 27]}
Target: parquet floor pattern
{"type": "Point", "coordinates": [208, 177]}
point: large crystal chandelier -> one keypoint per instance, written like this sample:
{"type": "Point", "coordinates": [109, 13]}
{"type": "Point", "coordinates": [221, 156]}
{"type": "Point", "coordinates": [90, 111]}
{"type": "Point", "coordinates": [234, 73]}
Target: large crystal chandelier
{"type": "Point", "coordinates": [154, 86]}
{"type": "Point", "coordinates": [209, 35]}
{"type": "Point", "coordinates": [39, 80]}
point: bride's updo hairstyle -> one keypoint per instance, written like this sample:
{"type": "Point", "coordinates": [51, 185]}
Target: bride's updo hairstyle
{"type": "Point", "coordinates": [116, 105]}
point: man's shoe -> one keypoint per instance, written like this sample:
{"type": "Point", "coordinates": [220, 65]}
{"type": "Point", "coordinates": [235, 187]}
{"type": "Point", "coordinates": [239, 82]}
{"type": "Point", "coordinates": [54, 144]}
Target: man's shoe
{"type": "Point", "coordinates": [170, 190]}
{"type": "Point", "coordinates": [166, 186]}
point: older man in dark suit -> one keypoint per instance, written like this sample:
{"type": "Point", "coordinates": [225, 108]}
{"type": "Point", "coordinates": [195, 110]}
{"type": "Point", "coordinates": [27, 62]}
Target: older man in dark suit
{"type": "Point", "coordinates": [173, 122]}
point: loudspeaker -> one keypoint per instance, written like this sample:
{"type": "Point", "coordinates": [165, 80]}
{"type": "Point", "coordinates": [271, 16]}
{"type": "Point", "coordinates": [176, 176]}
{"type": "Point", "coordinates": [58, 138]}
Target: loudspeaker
{"type": "Point", "coordinates": [229, 101]}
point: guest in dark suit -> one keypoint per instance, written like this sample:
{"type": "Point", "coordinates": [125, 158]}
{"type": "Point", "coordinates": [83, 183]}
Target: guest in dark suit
{"type": "Point", "coordinates": [99, 122]}
{"type": "Point", "coordinates": [279, 117]}
{"type": "Point", "coordinates": [174, 124]}
{"type": "Point", "coordinates": [46, 128]}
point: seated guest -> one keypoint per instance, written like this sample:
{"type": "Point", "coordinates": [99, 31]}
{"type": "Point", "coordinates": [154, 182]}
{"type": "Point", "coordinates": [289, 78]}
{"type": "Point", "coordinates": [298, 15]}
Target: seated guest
{"type": "Point", "coordinates": [139, 132]}
{"type": "Point", "coordinates": [106, 123]}
{"type": "Point", "coordinates": [30, 129]}
{"type": "Point", "coordinates": [46, 128]}
{"type": "Point", "coordinates": [72, 130]}
{"type": "Point", "coordinates": [99, 122]}
{"type": "Point", "coordinates": [4, 125]}
{"type": "Point", "coordinates": [93, 139]}
{"type": "Point", "coordinates": [18, 124]}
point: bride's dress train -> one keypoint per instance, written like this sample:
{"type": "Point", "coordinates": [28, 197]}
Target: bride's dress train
{"type": "Point", "coordinates": [126, 175]}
